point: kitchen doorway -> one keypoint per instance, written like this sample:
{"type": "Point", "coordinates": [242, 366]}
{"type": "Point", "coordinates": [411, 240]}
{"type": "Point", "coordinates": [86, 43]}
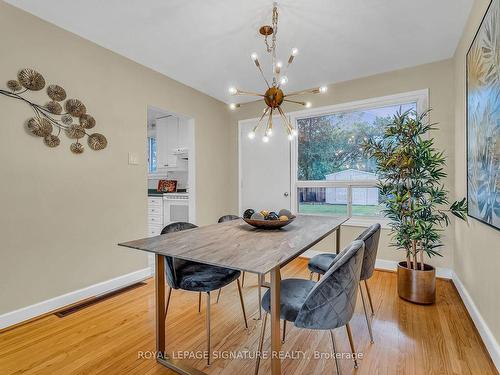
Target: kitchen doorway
{"type": "Point", "coordinates": [171, 169]}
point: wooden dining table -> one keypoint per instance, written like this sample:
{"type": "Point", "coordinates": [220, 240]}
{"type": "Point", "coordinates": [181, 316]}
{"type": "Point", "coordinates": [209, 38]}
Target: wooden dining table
{"type": "Point", "coordinates": [237, 245]}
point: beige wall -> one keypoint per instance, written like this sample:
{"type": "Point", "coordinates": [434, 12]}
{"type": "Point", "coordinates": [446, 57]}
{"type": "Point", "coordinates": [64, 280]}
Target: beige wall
{"type": "Point", "coordinates": [477, 248]}
{"type": "Point", "coordinates": [437, 77]}
{"type": "Point", "coordinates": [62, 214]}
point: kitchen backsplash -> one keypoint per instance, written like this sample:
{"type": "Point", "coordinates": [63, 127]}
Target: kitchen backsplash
{"type": "Point", "coordinates": [181, 177]}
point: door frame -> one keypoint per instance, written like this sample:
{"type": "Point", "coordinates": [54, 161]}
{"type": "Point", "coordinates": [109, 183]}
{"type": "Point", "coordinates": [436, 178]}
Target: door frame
{"type": "Point", "coordinates": [240, 173]}
{"type": "Point", "coordinates": [191, 124]}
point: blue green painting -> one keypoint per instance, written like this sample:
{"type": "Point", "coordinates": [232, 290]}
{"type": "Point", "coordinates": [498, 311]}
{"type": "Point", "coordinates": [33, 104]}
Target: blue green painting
{"type": "Point", "coordinates": [483, 120]}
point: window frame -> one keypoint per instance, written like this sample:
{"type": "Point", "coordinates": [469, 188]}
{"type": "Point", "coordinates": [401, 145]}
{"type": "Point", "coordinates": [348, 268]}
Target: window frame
{"type": "Point", "coordinates": [420, 97]}
{"type": "Point", "coordinates": [150, 140]}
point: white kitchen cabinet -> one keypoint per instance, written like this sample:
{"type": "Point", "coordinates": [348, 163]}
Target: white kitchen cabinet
{"type": "Point", "coordinates": [165, 131]}
{"type": "Point", "coordinates": [171, 134]}
{"type": "Point", "coordinates": [155, 215]}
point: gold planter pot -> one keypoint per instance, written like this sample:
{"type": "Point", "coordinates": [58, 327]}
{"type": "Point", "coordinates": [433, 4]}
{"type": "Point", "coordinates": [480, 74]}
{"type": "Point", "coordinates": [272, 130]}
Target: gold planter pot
{"type": "Point", "coordinates": [417, 286]}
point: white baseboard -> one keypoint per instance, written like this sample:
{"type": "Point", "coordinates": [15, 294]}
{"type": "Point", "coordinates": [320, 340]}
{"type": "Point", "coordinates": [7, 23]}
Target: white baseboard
{"type": "Point", "coordinates": [389, 265]}
{"type": "Point", "coordinates": [484, 331]}
{"type": "Point", "coordinates": [44, 307]}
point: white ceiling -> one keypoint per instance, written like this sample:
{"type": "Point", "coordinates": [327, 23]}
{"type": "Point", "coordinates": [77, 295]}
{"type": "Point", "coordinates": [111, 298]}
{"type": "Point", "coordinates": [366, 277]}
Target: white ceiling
{"type": "Point", "coordinates": [206, 44]}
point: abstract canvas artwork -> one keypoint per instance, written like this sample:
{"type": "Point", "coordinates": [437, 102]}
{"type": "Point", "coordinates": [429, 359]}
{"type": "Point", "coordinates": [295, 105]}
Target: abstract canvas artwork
{"type": "Point", "coordinates": [483, 120]}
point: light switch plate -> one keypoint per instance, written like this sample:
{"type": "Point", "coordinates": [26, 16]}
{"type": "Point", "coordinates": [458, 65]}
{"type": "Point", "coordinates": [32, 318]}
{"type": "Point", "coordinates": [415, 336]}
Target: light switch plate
{"type": "Point", "coordinates": [133, 158]}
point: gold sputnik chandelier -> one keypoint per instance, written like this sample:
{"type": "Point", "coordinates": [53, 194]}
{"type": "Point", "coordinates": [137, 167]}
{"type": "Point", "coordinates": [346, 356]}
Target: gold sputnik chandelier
{"type": "Point", "coordinates": [274, 96]}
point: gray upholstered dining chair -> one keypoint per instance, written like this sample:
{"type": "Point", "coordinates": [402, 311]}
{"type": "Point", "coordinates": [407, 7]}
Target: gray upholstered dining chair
{"type": "Point", "coordinates": [323, 305]}
{"type": "Point", "coordinates": [198, 277]}
{"type": "Point", "coordinates": [321, 263]}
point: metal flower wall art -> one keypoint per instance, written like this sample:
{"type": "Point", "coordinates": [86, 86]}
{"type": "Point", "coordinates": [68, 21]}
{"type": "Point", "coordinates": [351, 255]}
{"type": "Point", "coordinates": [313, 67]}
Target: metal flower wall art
{"type": "Point", "coordinates": [58, 115]}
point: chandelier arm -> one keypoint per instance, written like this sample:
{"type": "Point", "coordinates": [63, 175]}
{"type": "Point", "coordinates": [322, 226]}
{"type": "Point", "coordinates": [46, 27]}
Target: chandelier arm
{"type": "Point", "coordinates": [242, 92]}
{"type": "Point", "coordinates": [282, 73]}
{"type": "Point", "coordinates": [260, 119]}
{"type": "Point", "coordinates": [269, 122]}
{"type": "Point", "coordinates": [309, 91]}
{"type": "Point", "coordinates": [263, 75]}
{"type": "Point", "coordinates": [286, 121]}
{"type": "Point", "coordinates": [294, 101]}
{"type": "Point", "coordinates": [264, 113]}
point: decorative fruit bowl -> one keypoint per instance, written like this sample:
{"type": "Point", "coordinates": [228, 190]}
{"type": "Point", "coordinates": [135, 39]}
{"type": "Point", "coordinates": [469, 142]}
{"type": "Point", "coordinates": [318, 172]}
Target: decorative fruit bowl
{"type": "Point", "coordinates": [269, 224]}
{"type": "Point", "coordinates": [268, 220]}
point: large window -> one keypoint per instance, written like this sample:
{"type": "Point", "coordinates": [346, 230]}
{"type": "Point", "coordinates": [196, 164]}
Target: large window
{"type": "Point", "coordinates": [333, 176]}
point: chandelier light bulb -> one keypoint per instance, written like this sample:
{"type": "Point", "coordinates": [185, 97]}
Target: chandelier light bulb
{"type": "Point", "coordinates": [254, 56]}
{"type": "Point", "coordinates": [295, 51]}
{"type": "Point", "coordinates": [277, 67]}
{"type": "Point", "coordinates": [290, 137]}
{"type": "Point", "coordinates": [251, 135]}
{"type": "Point", "coordinates": [294, 132]}
{"type": "Point", "coordinates": [232, 90]}
{"type": "Point", "coordinates": [308, 104]}
{"type": "Point", "coordinates": [323, 89]}
{"type": "Point", "coordinates": [265, 139]}
{"type": "Point", "coordinates": [283, 80]}
{"type": "Point", "coordinates": [269, 132]}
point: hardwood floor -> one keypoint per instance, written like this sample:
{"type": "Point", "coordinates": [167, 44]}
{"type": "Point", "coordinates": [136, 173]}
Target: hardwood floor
{"type": "Point", "coordinates": [109, 337]}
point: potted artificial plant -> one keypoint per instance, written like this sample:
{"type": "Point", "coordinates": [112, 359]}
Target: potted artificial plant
{"type": "Point", "coordinates": [410, 172]}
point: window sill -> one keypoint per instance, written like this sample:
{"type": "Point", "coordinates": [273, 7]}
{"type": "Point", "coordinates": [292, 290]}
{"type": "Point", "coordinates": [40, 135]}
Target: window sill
{"type": "Point", "coordinates": [362, 221]}
{"type": "Point", "coordinates": [365, 222]}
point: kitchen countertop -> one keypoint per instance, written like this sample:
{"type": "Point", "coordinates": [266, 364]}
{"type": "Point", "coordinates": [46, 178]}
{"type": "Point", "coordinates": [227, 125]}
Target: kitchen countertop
{"type": "Point", "coordinates": [156, 193]}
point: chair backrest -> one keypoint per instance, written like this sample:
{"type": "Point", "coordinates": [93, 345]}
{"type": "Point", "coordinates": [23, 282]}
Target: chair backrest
{"type": "Point", "coordinates": [225, 218]}
{"type": "Point", "coordinates": [370, 237]}
{"type": "Point", "coordinates": [330, 304]}
{"type": "Point", "coordinates": [173, 264]}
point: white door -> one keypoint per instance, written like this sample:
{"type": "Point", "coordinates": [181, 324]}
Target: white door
{"type": "Point", "coordinates": [264, 168]}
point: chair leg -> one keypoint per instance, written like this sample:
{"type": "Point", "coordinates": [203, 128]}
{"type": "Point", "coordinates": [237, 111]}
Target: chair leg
{"type": "Point", "coordinates": [335, 352]}
{"type": "Point", "coordinates": [242, 303]}
{"type": "Point", "coordinates": [351, 343]}
{"type": "Point", "coordinates": [366, 314]}
{"type": "Point", "coordinates": [319, 275]}
{"type": "Point", "coordinates": [168, 301]}
{"type": "Point", "coordinates": [199, 302]}
{"type": "Point", "coordinates": [369, 297]}
{"type": "Point", "coordinates": [218, 295]}
{"type": "Point", "coordinates": [261, 343]}
{"type": "Point", "coordinates": [311, 276]}
{"type": "Point", "coordinates": [209, 358]}
{"type": "Point", "coordinates": [284, 332]}
{"type": "Point", "coordinates": [243, 278]}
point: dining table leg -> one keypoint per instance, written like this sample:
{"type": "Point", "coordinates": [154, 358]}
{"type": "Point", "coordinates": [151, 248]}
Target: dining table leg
{"type": "Point", "coordinates": [275, 321]}
{"type": "Point", "coordinates": [260, 295]}
{"type": "Point", "coordinates": [337, 240]}
{"type": "Point", "coordinates": [160, 304]}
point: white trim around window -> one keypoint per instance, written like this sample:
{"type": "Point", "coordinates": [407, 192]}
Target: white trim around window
{"type": "Point", "coordinates": [420, 97]}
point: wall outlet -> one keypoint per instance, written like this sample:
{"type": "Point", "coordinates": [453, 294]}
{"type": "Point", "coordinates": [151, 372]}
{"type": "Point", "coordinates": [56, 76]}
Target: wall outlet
{"type": "Point", "coordinates": [133, 158]}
